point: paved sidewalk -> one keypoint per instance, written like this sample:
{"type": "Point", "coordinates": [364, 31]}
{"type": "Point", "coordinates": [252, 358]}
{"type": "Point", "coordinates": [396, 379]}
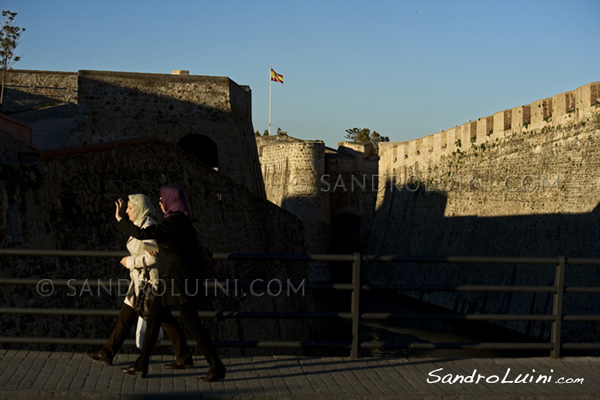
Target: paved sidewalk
{"type": "Point", "coordinates": [58, 375]}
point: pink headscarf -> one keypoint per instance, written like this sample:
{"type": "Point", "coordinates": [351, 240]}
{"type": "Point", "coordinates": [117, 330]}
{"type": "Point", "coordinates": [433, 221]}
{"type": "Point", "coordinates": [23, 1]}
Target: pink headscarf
{"type": "Point", "coordinates": [173, 200]}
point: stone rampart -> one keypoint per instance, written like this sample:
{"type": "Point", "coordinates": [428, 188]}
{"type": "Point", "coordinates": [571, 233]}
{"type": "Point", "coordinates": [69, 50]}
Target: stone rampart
{"type": "Point", "coordinates": [558, 111]}
{"type": "Point", "coordinates": [27, 89]}
{"type": "Point", "coordinates": [70, 205]}
{"type": "Point", "coordinates": [528, 191]}
{"type": "Point", "coordinates": [211, 117]}
{"type": "Point", "coordinates": [119, 105]}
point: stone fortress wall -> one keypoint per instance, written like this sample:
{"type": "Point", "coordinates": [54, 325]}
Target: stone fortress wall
{"type": "Point", "coordinates": [66, 201]}
{"type": "Point", "coordinates": [29, 88]}
{"type": "Point", "coordinates": [63, 197]}
{"type": "Point", "coordinates": [195, 112]}
{"type": "Point", "coordinates": [521, 183]}
{"type": "Point", "coordinates": [558, 111]}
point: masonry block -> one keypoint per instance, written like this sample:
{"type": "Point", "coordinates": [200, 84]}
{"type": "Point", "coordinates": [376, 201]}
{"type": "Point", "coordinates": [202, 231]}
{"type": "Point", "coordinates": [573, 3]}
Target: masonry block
{"type": "Point", "coordinates": [541, 111]}
{"type": "Point", "coordinates": [520, 118]}
{"type": "Point", "coordinates": [502, 122]}
{"type": "Point", "coordinates": [485, 127]}
{"type": "Point", "coordinates": [453, 135]}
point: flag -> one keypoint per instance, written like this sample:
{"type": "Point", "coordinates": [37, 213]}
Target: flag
{"type": "Point", "coordinates": [275, 77]}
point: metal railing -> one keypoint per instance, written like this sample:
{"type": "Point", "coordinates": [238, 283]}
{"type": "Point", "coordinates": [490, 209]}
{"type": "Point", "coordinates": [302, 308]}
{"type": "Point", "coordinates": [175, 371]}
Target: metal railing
{"type": "Point", "coordinates": [356, 287]}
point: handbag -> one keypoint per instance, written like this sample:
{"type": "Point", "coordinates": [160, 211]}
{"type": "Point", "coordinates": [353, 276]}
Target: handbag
{"type": "Point", "coordinates": [140, 333]}
{"type": "Point", "coordinates": [145, 296]}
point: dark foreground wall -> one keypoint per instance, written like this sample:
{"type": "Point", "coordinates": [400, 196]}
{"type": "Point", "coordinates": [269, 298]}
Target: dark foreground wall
{"type": "Point", "coordinates": [71, 206]}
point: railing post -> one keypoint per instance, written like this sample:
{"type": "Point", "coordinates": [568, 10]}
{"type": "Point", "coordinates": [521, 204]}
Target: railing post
{"type": "Point", "coordinates": [355, 306]}
{"type": "Point", "coordinates": [557, 311]}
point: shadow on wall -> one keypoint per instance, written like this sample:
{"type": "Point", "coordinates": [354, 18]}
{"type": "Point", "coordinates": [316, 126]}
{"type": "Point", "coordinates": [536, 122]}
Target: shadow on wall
{"type": "Point", "coordinates": [73, 208]}
{"type": "Point", "coordinates": [412, 223]}
{"type": "Point", "coordinates": [20, 98]}
{"type": "Point", "coordinates": [209, 117]}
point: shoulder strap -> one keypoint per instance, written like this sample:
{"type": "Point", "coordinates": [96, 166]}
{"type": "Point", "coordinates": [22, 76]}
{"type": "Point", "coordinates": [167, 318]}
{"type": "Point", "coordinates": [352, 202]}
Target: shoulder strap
{"type": "Point", "coordinates": [146, 270]}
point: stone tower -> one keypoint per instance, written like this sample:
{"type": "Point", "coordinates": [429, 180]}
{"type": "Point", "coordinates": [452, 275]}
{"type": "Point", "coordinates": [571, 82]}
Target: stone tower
{"type": "Point", "coordinates": [209, 117]}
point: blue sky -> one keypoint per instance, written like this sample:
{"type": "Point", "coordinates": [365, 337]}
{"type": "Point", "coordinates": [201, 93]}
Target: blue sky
{"type": "Point", "coordinates": [406, 69]}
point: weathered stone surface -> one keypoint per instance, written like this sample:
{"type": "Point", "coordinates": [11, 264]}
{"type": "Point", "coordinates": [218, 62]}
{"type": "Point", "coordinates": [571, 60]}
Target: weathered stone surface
{"type": "Point", "coordinates": [71, 207]}
{"type": "Point", "coordinates": [531, 190]}
{"type": "Point", "coordinates": [112, 106]}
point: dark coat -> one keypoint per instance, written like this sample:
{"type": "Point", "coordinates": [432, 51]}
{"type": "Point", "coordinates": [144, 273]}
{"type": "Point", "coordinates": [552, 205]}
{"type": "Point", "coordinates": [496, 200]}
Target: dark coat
{"type": "Point", "coordinates": [181, 273]}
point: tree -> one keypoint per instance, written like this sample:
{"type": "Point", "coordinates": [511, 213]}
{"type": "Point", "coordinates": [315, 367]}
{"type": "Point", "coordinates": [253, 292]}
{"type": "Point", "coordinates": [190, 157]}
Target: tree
{"type": "Point", "coordinates": [10, 35]}
{"type": "Point", "coordinates": [359, 135]}
{"type": "Point", "coordinates": [365, 135]}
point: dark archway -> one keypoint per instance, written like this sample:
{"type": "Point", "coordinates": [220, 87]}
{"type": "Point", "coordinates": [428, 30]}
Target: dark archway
{"type": "Point", "coordinates": [345, 233]}
{"type": "Point", "coordinates": [345, 239]}
{"type": "Point", "coordinates": [202, 148]}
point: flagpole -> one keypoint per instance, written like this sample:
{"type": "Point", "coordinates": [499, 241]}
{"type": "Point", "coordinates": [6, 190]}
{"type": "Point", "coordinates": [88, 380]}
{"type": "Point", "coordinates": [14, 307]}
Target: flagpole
{"type": "Point", "coordinates": [270, 82]}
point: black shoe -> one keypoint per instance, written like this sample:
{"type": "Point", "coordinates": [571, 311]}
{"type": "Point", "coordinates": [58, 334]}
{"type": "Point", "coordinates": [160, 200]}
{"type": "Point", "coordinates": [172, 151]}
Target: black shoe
{"type": "Point", "coordinates": [100, 356]}
{"type": "Point", "coordinates": [187, 363]}
{"type": "Point", "coordinates": [132, 370]}
{"type": "Point", "coordinates": [213, 376]}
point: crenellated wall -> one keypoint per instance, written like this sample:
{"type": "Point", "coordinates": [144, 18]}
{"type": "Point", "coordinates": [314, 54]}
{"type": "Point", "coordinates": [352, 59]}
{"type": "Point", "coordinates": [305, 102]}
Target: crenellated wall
{"type": "Point", "coordinates": [561, 110]}
{"type": "Point", "coordinates": [521, 183]}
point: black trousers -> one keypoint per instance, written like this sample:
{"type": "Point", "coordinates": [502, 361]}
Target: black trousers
{"type": "Point", "coordinates": [127, 318]}
{"type": "Point", "coordinates": [191, 320]}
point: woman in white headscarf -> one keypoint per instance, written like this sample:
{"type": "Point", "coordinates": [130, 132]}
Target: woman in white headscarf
{"type": "Point", "coordinates": [140, 211]}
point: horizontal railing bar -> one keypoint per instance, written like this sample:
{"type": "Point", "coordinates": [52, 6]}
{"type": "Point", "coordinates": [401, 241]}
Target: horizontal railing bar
{"type": "Point", "coordinates": [64, 341]}
{"type": "Point", "coordinates": [60, 311]}
{"type": "Point", "coordinates": [461, 259]}
{"type": "Point", "coordinates": [280, 344]}
{"type": "Point", "coordinates": [270, 314]}
{"type": "Point", "coordinates": [63, 253]}
{"type": "Point", "coordinates": [464, 288]}
{"type": "Point", "coordinates": [337, 286]}
{"type": "Point", "coordinates": [284, 257]}
{"type": "Point", "coordinates": [284, 285]}
{"type": "Point", "coordinates": [66, 282]}
{"type": "Point", "coordinates": [313, 257]}
{"type": "Point", "coordinates": [472, 346]}
{"type": "Point", "coordinates": [468, 317]}
{"type": "Point", "coordinates": [166, 342]}
{"type": "Point", "coordinates": [314, 315]}
{"type": "Point", "coordinates": [202, 314]}
{"type": "Point", "coordinates": [211, 284]}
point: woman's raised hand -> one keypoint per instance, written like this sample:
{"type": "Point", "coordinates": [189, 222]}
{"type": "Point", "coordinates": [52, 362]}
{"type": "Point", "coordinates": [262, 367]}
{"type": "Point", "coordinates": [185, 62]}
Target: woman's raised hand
{"type": "Point", "coordinates": [120, 209]}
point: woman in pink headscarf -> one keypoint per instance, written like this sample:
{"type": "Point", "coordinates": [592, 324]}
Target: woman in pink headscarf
{"type": "Point", "coordinates": [181, 276]}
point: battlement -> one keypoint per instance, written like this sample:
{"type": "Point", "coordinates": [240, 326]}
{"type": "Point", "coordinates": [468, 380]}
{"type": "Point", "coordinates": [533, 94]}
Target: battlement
{"type": "Point", "coordinates": [561, 110]}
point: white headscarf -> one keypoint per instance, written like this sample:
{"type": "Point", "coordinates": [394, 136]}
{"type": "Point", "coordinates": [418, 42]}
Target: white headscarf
{"type": "Point", "coordinates": [142, 208]}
